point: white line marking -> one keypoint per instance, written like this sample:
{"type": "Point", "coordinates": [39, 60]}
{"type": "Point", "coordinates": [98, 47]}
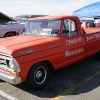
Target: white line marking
{"type": "Point", "coordinates": [7, 96]}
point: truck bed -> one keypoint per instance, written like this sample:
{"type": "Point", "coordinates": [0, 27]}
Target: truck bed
{"type": "Point", "coordinates": [91, 30]}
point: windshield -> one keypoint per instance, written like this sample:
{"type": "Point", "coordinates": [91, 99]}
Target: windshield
{"type": "Point", "coordinates": [43, 28]}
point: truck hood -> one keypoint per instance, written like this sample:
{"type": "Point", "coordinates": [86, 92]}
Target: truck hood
{"type": "Point", "coordinates": [4, 17]}
{"type": "Point", "coordinates": [22, 45]}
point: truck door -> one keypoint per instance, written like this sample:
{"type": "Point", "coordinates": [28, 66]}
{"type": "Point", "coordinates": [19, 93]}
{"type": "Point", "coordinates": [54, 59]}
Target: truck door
{"type": "Point", "coordinates": [73, 40]}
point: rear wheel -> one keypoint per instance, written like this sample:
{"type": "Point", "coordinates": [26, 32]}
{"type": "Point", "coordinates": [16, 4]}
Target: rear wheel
{"type": "Point", "coordinates": [38, 76]}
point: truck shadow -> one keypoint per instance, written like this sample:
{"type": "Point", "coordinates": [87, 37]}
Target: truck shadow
{"type": "Point", "coordinates": [68, 77]}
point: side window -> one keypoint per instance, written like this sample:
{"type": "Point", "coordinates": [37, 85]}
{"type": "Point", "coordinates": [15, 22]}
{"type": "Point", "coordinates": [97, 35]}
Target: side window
{"type": "Point", "coordinates": [69, 28]}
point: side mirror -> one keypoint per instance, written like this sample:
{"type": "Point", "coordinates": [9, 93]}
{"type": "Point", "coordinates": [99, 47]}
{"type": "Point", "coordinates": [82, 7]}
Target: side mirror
{"type": "Point", "coordinates": [71, 27]}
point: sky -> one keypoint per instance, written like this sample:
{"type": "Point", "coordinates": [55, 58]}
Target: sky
{"type": "Point", "coordinates": [42, 7]}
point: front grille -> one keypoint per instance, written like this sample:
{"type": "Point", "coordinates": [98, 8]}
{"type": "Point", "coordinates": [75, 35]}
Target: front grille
{"type": "Point", "coordinates": [4, 62]}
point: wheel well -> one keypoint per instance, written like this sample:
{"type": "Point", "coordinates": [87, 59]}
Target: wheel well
{"type": "Point", "coordinates": [15, 33]}
{"type": "Point", "coordinates": [49, 64]}
{"type": "Point", "coordinates": [46, 62]}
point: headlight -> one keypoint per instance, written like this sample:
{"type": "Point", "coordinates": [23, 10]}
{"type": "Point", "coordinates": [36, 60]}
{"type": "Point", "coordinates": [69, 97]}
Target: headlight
{"type": "Point", "coordinates": [14, 65]}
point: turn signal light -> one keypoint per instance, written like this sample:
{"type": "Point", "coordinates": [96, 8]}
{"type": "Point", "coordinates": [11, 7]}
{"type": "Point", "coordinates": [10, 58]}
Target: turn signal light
{"type": "Point", "coordinates": [15, 74]}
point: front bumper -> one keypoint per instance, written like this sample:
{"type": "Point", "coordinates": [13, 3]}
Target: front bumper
{"type": "Point", "coordinates": [10, 79]}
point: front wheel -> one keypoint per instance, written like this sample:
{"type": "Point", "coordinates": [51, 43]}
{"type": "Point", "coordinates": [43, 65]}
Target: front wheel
{"type": "Point", "coordinates": [38, 76]}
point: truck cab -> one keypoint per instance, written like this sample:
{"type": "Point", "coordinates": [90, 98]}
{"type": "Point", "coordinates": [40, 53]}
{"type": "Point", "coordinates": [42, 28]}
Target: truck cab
{"type": "Point", "coordinates": [63, 31]}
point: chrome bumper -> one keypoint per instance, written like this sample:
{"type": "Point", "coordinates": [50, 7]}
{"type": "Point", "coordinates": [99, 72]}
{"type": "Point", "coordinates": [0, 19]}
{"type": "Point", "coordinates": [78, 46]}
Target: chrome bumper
{"type": "Point", "coordinates": [10, 79]}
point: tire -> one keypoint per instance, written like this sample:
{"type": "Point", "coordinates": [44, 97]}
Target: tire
{"type": "Point", "coordinates": [38, 76]}
{"type": "Point", "coordinates": [9, 34]}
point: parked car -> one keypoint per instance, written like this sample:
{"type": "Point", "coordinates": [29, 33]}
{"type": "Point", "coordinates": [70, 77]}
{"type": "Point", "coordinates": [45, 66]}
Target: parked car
{"type": "Point", "coordinates": [90, 23]}
{"type": "Point", "coordinates": [24, 18]}
{"type": "Point", "coordinates": [9, 27]}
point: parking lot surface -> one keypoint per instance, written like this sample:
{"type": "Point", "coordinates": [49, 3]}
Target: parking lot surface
{"type": "Point", "coordinates": [79, 81]}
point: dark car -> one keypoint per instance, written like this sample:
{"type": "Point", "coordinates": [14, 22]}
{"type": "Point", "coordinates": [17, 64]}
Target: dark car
{"type": "Point", "coordinates": [90, 23]}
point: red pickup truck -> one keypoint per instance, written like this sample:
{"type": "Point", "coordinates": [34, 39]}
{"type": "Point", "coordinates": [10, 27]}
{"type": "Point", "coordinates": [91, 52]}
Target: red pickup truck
{"type": "Point", "coordinates": [48, 43]}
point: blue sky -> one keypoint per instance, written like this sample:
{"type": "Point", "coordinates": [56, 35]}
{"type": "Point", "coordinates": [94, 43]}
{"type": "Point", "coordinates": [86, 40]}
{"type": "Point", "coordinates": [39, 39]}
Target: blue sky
{"type": "Point", "coordinates": [45, 7]}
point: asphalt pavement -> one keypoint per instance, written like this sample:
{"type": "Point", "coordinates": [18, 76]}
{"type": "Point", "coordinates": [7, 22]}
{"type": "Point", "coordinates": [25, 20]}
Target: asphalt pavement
{"type": "Point", "coordinates": [79, 81]}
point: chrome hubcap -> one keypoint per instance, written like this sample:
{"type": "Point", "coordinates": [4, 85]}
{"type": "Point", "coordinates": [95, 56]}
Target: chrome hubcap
{"type": "Point", "coordinates": [40, 75]}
